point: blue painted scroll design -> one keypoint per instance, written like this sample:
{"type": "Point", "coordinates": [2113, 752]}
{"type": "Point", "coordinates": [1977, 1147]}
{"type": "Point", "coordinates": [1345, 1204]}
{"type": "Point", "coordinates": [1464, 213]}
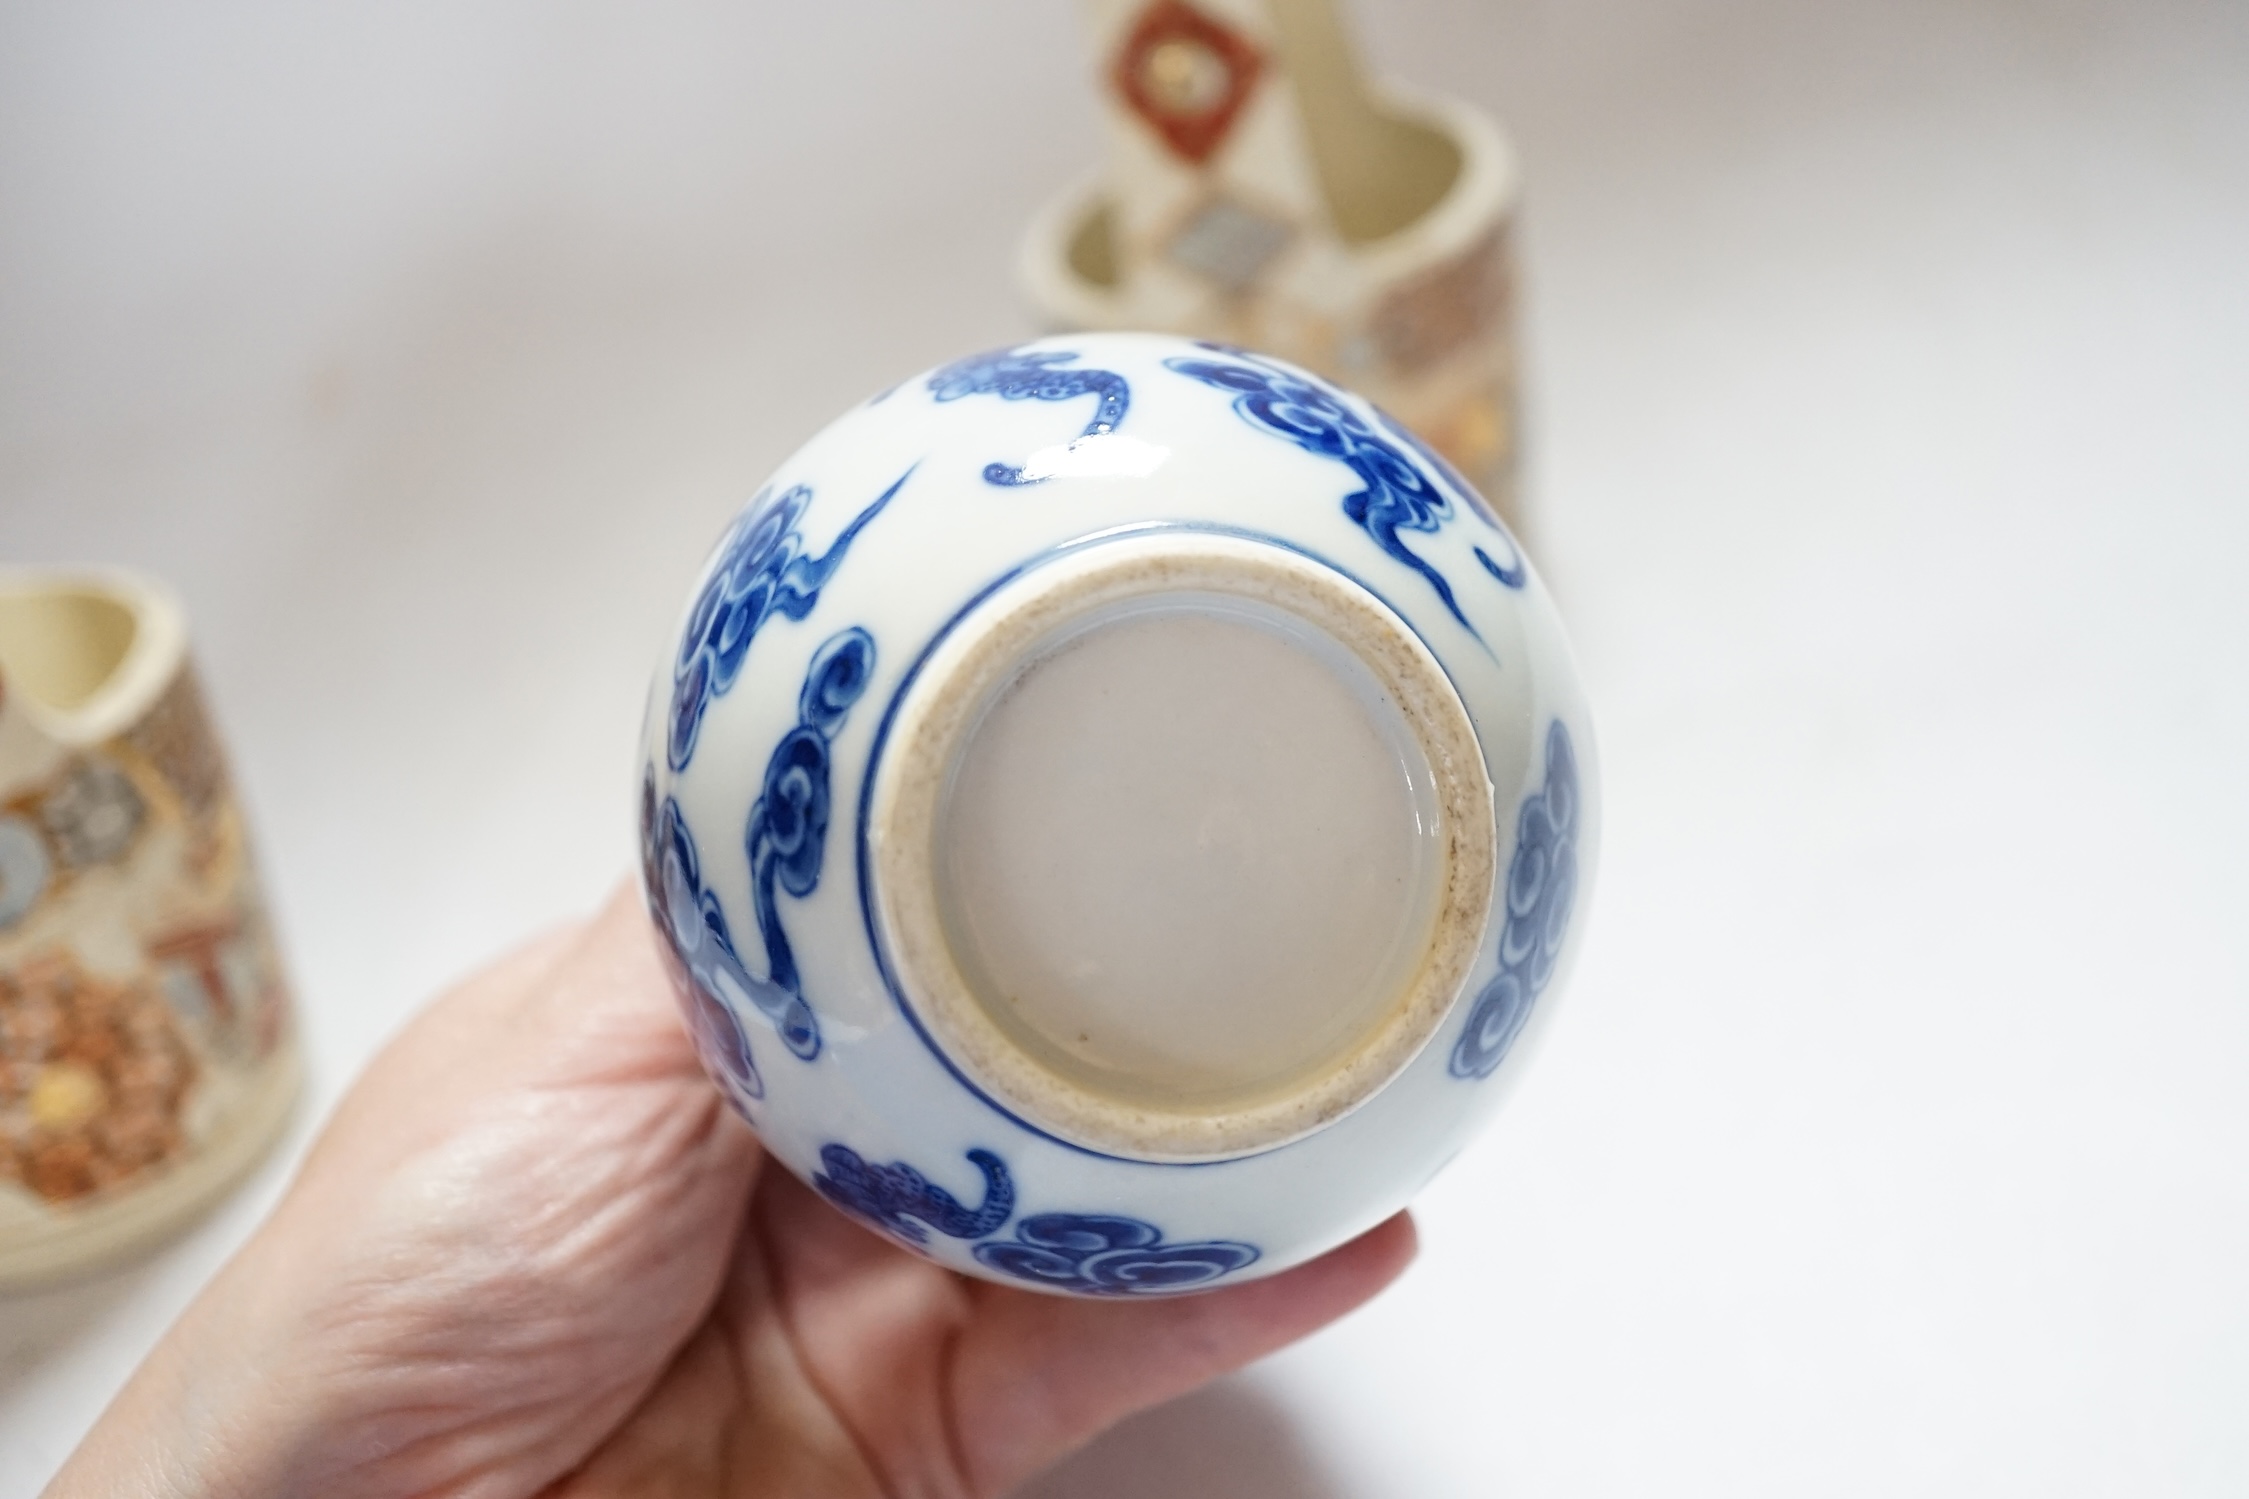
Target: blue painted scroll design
{"type": "Point", "coordinates": [697, 949]}
{"type": "Point", "coordinates": [1514, 573]}
{"type": "Point", "coordinates": [1103, 1254]}
{"type": "Point", "coordinates": [1396, 491]}
{"type": "Point", "coordinates": [1092, 1254]}
{"type": "Point", "coordinates": [1541, 887]}
{"type": "Point", "coordinates": [906, 1204]}
{"type": "Point", "coordinates": [786, 835]}
{"type": "Point", "coordinates": [1019, 375]}
{"type": "Point", "coordinates": [762, 570]}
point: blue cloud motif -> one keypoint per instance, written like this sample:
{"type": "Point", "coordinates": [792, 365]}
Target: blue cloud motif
{"type": "Point", "coordinates": [1514, 573]}
{"type": "Point", "coordinates": [1103, 1254]}
{"type": "Point", "coordinates": [1014, 375]}
{"type": "Point", "coordinates": [1541, 887]}
{"type": "Point", "coordinates": [1095, 1254]}
{"type": "Point", "coordinates": [697, 950]}
{"type": "Point", "coordinates": [762, 570]}
{"type": "Point", "coordinates": [786, 836]}
{"type": "Point", "coordinates": [906, 1204]}
{"type": "Point", "coordinates": [1396, 491]}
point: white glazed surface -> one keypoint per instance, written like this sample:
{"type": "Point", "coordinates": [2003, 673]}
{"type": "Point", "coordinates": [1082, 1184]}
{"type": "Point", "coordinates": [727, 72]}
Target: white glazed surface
{"type": "Point", "coordinates": [983, 479]}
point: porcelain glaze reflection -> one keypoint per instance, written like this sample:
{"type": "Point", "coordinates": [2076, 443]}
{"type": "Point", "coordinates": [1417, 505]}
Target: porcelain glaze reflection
{"type": "Point", "coordinates": [834, 643]}
{"type": "Point", "coordinates": [1020, 375]}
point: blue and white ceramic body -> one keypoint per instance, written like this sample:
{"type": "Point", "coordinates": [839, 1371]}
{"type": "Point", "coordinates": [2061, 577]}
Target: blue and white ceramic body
{"type": "Point", "coordinates": [1120, 810]}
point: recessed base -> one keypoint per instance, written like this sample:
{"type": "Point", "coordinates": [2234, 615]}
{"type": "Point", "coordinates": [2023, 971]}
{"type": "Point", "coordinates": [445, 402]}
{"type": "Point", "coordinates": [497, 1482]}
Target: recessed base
{"type": "Point", "coordinates": [1186, 854]}
{"type": "Point", "coordinates": [1182, 846]}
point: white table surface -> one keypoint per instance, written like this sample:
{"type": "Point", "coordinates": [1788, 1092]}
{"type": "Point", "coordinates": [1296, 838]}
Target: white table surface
{"type": "Point", "coordinates": [1890, 370]}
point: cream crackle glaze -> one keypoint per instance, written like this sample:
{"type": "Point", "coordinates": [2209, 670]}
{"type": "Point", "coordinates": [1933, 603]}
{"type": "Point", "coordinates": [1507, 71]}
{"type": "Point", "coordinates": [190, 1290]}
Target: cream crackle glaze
{"type": "Point", "coordinates": [145, 1048]}
{"type": "Point", "coordinates": [1259, 188]}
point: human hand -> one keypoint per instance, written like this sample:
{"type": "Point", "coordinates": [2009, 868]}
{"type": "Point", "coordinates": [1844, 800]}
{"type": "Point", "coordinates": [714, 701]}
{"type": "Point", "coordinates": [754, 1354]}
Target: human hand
{"type": "Point", "coordinates": [535, 1253]}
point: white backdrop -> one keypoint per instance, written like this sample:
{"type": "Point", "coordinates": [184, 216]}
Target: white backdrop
{"type": "Point", "coordinates": [1891, 457]}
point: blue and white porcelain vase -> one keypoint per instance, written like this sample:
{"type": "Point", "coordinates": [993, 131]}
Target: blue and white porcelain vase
{"type": "Point", "coordinates": [1118, 809]}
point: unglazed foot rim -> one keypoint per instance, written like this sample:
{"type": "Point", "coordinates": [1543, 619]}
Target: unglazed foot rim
{"type": "Point", "coordinates": [943, 708]}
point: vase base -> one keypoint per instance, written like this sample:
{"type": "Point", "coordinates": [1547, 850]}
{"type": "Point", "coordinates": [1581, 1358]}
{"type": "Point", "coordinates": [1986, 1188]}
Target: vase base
{"type": "Point", "coordinates": [1187, 846]}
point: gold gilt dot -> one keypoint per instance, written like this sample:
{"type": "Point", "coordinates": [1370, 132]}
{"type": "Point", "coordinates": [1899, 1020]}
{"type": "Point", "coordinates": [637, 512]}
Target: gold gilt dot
{"type": "Point", "coordinates": [66, 1096]}
{"type": "Point", "coordinates": [1184, 77]}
